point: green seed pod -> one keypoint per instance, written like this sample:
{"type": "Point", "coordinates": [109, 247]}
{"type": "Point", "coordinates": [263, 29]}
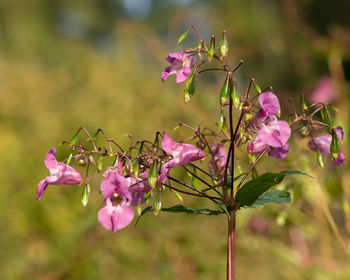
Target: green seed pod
{"type": "Point", "coordinates": [184, 35]}
{"type": "Point", "coordinates": [225, 91]}
{"type": "Point", "coordinates": [334, 146]}
{"type": "Point", "coordinates": [221, 120]}
{"type": "Point", "coordinates": [256, 86]}
{"type": "Point", "coordinates": [157, 205]}
{"type": "Point", "coordinates": [211, 50]}
{"type": "Point", "coordinates": [235, 95]}
{"type": "Point", "coordinates": [153, 175]}
{"type": "Point", "coordinates": [190, 88]}
{"type": "Point", "coordinates": [85, 195]}
{"type": "Point", "coordinates": [223, 46]}
{"type": "Point", "coordinates": [69, 158]}
{"type": "Point", "coordinates": [320, 159]}
{"type": "Point", "coordinates": [135, 167]}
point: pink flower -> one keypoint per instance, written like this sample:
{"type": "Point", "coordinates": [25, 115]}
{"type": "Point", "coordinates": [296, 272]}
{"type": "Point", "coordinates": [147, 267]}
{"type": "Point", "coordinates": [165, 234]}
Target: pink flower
{"type": "Point", "coordinates": [324, 92]}
{"type": "Point", "coordinates": [181, 64]}
{"type": "Point", "coordinates": [218, 162]}
{"type": "Point", "coordinates": [323, 144]}
{"type": "Point", "coordinates": [270, 131]}
{"type": "Point", "coordinates": [60, 174]}
{"type": "Point", "coordinates": [116, 214]}
{"type": "Point", "coordinates": [182, 154]}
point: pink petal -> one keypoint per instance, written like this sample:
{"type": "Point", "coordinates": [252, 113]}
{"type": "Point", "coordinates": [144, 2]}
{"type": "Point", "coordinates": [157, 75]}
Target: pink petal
{"type": "Point", "coordinates": [63, 174]}
{"type": "Point", "coordinates": [180, 56]}
{"type": "Point", "coordinates": [218, 162]}
{"type": "Point", "coordinates": [181, 76]}
{"type": "Point", "coordinates": [115, 218]}
{"type": "Point", "coordinates": [269, 103]}
{"type": "Point", "coordinates": [41, 189]}
{"type": "Point", "coordinates": [322, 143]}
{"type": "Point", "coordinates": [50, 159]}
{"type": "Point", "coordinates": [324, 92]}
{"type": "Point", "coordinates": [256, 146]}
{"type": "Point", "coordinates": [168, 144]}
{"type": "Point", "coordinates": [275, 134]}
{"type": "Point", "coordinates": [279, 152]}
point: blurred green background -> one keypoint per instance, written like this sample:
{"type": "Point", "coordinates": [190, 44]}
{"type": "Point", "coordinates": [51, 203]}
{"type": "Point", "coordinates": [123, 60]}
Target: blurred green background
{"type": "Point", "coordinates": [97, 64]}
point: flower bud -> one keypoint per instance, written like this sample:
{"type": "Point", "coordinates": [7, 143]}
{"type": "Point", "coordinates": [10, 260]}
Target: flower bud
{"type": "Point", "coordinates": [256, 86]}
{"type": "Point", "coordinates": [211, 50]}
{"type": "Point", "coordinates": [225, 91]}
{"type": "Point", "coordinates": [153, 175]}
{"type": "Point", "coordinates": [190, 88]}
{"type": "Point", "coordinates": [223, 46]}
{"type": "Point", "coordinates": [85, 195]}
{"type": "Point", "coordinates": [81, 162]}
{"type": "Point", "coordinates": [74, 138]}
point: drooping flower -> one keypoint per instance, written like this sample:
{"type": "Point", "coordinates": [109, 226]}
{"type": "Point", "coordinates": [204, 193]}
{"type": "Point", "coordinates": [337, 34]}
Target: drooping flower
{"type": "Point", "coordinates": [323, 144]}
{"type": "Point", "coordinates": [181, 64]}
{"type": "Point", "coordinates": [182, 154]}
{"type": "Point", "coordinates": [219, 158]}
{"type": "Point", "coordinates": [116, 214]}
{"type": "Point", "coordinates": [60, 174]}
{"type": "Point", "coordinates": [324, 92]}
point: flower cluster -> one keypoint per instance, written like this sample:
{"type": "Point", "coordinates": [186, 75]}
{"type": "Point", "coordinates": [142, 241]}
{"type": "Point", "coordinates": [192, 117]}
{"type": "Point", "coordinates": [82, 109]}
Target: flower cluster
{"type": "Point", "coordinates": [270, 131]}
{"type": "Point", "coordinates": [120, 192]}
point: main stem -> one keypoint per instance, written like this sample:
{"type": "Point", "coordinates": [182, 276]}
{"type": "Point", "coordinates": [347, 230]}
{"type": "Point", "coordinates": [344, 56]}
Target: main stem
{"type": "Point", "coordinates": [231, 241]}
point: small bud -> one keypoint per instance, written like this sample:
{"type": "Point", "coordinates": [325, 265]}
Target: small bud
{"type": "Point", "coordinates": [225, 91]}
{"type": "Point", "coordinates": [147, 196]}
{"type": "Point", "coordinates": [69, 158]}
{"type": "Point", "coordinates": [200, 45]}
{"type": "Point", "coordinates": [256, 86]}
{"type": "Point", "coordinates": [211, 50]}
{"type": "Point", "coordinates": [334, 146]}
{"type": "Point", "coordinates": [190, 88]}
{"type": "Point", "coordinates": [235, 96]}
{"type": "Point", "coordinates": [81, 162]}
{"type": "Point", "coordinates": [153, 175]}
{"type": "Point", "coordinates": [320, 159]}
{"type": "Point", "coordinates": [305, 106]}
{"type": "Point", "coordinates": [223, 46]}
{"type": "Point", "coordinates": [184, 35]}
{"type": "Point", "coordinates": [176, 127]}
{"type": "Point", "coordinates": [248, 117]}
{"type": "Point", "coordinates": [85, 195]}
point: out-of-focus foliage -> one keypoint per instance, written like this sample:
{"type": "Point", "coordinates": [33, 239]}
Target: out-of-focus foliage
{"type": "Point", "coordinates": [65, 64]}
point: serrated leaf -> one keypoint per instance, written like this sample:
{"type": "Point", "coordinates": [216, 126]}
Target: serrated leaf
{"type": "Point", "coordinates": [276, 196]}
{"type": "Point", "coordinates": [251, 190]}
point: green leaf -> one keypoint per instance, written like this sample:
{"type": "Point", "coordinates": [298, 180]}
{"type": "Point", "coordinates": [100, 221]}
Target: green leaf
{"type": "Point", "coordinates": [184, 35]}
{"type": "Point", "coordinates": [182, 209]}
{"type": "Point", "coordinates": [276, 196]}
{"type": "Point", "coordinates": [252, 190]}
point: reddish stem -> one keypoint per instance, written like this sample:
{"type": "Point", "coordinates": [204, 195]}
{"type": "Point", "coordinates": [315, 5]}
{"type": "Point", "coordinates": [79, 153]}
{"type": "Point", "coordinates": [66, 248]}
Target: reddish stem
{"type": "Point", "coordinates": [231, 241]}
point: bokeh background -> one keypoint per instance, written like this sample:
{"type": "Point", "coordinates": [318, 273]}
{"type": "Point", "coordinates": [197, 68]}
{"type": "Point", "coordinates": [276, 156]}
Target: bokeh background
{"type": "Point", "coordinates": [97, 64]}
